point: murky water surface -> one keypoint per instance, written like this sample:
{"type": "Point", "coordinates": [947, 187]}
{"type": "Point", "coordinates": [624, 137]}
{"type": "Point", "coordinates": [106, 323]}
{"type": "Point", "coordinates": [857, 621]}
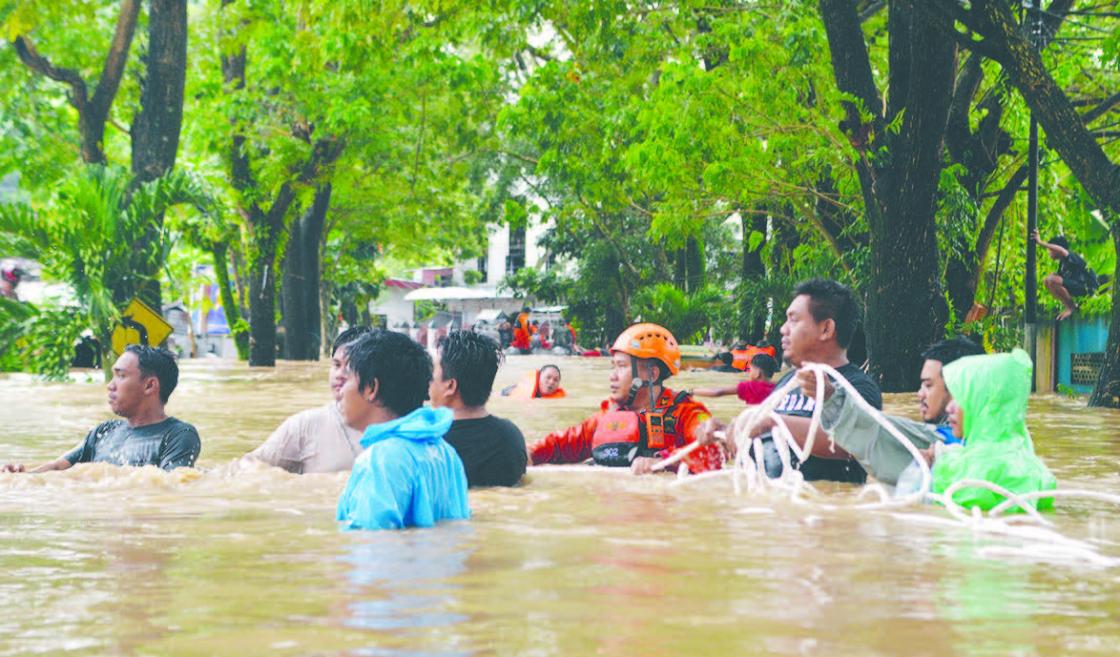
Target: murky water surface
{"type": "Point", "coordinates": [243, 560]}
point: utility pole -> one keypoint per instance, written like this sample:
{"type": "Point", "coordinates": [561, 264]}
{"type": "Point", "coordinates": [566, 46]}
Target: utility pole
{"type": "Point", "coordinates": [1034, 16]}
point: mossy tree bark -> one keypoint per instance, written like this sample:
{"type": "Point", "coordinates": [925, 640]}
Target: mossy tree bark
{"type": "Point", "coordinates": [899, 170]}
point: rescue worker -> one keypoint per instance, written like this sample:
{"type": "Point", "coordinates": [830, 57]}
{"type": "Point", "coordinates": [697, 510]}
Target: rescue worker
{"type": "Point", "coordinates": [643, 421]}
{"type": "Point", "coordinates": [522, 333]}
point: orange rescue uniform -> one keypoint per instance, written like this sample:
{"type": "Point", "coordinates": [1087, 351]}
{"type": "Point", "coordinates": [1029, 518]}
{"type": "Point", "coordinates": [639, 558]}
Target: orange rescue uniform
{"type": "Point", "coordinates": [679, 422]}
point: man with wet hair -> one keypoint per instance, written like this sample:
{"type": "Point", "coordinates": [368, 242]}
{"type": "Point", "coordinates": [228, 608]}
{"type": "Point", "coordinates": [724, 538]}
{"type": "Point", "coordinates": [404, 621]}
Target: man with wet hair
{"type": "Point", "coordinates": [820, 324]}
{"type": "Point", "coordinates": [143, 380]}
{"type": "Point", "coordinates": [408, 475]}
{"type": "Point", "coordinates": [317, 439]}
{"type": "Point", "coordinates": [492, 448]}
{"type": "Point", "coordinates": [880, 453]}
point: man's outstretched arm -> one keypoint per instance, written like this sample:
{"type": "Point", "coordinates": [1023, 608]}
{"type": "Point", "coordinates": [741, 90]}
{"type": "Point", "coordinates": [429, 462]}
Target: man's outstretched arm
{"type": "Point", "coordinates": [57, 464]}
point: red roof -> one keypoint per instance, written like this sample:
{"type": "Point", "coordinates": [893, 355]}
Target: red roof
{"type": "Point", "coordinates": [404, 285]}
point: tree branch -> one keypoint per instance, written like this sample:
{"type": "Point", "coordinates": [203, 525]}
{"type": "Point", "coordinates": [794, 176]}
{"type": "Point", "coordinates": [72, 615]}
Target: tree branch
{"type": "Point", "coordinates": [33, 60]}
{"type": "Point", "coordinates": [113, 70]}
{"type": "Point", "coordinates": [1101, 109]}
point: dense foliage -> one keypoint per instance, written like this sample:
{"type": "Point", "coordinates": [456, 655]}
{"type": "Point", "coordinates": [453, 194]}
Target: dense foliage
{"type": "Point", "coordinates": [692, 160]}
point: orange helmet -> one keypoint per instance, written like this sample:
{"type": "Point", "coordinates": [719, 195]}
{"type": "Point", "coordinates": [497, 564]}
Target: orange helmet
{"type": "Point", "coordinates": [650, 341]}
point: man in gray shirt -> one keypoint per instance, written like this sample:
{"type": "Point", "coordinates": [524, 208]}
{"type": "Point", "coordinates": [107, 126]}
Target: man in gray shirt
{"type": "Point", "coordinates": [317, 440]}
{"type": "Point", "coordinates": [143, 380]}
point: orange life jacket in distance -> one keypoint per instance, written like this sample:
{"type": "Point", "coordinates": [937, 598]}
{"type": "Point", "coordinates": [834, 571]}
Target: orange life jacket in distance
{"type": "Point", "coordinates": [529, 387]}
{"type": "Point", "coordinates": [741, 358]}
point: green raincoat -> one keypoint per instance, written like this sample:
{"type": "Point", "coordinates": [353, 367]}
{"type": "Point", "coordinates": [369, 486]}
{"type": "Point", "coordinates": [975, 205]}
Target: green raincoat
{"type": "Point", "coordinates": [992, 392]}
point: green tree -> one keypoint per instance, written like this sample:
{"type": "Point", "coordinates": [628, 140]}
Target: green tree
{"type": "Point", "coordinates": [84, 236]}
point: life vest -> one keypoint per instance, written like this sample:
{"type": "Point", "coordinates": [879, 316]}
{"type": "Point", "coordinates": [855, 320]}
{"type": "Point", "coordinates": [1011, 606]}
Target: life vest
{"type": "Point", "coordinates": [521, 332]}
{"type": "Point", "coordinates": [622, 435]}
{"type": "Point", "coordinates": [529, 388]}
{"type": "Point", "coordinates": [741, 358]}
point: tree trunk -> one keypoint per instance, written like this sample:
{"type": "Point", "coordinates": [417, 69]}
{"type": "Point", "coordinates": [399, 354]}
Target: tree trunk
{"type": "Point", "coordinates": [1107, 392]}
{"type": "Point", "coordinates": [155, 130]}
{"type": "Point", "coordinates": [898, 175]}
{"type": "Point", "coordinates": [326, 321]}
{"type": "Point", "coordinates": [220, 253]}
{"type": "Point", "coordinates": [752, 324]}
{"type": "Point", "coordinates": [905, 306]}
{"type": "Point", "coordinates": [301, 280]}
{"type": "Point", "coordinates": [262, 306]}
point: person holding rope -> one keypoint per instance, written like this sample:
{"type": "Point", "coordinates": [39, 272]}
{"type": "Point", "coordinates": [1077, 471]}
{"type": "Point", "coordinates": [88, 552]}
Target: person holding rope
{"type": "Point", "coordinates": [820, 323]}
{"type": "Point", "coordinates": [643, 421]}
{"type": "Point", "coordinates": [861, 435]}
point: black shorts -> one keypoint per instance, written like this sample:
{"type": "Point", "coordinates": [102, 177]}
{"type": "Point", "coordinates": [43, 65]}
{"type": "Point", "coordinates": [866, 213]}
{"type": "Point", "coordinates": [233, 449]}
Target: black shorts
{"type": "Point", "coordinates": [1077, 288]}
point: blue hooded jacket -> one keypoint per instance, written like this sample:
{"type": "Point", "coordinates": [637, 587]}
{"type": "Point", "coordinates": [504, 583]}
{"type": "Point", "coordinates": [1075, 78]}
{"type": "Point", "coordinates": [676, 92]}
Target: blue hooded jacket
{"type": "Point", "coordinates": [408, 475]}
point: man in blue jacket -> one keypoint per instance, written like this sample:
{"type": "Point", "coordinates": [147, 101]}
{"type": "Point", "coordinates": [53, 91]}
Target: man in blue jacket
{"type": "Point", "coordinates": [408, 476]}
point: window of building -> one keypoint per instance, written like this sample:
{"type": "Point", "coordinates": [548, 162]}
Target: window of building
{"type": "Point", "coordinates": [516, 258]}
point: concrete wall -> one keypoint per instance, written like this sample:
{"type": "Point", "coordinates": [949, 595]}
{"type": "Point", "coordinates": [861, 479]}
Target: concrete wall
{"type": "Point", "coordinates": [391, 303]}
{"type": "Point", "coordinates": [1079, 335]}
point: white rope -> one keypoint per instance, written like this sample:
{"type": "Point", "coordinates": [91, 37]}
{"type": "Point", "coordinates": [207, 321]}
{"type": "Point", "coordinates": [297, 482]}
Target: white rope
{"type": "Point", "coordinates": [752, 470]}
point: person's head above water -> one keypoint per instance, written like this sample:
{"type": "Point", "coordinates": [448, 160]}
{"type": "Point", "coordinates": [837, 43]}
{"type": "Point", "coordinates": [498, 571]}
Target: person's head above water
{"type": "Point", "coordinates": [465, 367]}
{"type": "Point", "coordinates": [387, 377]}
{"type": "Point", "coordinates": [763, 366]}
{"type": "Point", "coordinates": [143, 380]}
{"type": "Point", "coordinates": [336, 376]}
{"type": "Point", "coordinates": [990, 395]}
{"type": "Point", "coordinates": [933, 397]}
{"type": "Point", "coordinates": [820, 323]}
{"type": "Point", "coordinates": [989, 412]}
{"type": "Point", "coordinates": [643, 354]}
{"type": "Point", "coordinates": [548, 380]}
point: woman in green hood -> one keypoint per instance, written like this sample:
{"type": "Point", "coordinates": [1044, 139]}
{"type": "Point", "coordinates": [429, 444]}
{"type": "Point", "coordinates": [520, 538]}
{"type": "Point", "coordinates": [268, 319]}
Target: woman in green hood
{"type": "Point", "coordinates": [989, 411]}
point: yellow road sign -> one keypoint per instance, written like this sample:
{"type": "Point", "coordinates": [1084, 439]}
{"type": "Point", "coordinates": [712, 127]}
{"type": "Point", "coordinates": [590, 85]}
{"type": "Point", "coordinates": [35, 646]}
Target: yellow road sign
{"type": "Point", "coordinates": [139, 325]}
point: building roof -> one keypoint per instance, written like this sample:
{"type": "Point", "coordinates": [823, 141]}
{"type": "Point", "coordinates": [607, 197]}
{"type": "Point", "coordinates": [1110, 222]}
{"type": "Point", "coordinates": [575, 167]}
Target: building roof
{"type": "Point", "coordinates": [402, 284]}
{"type": "Point", "coordinates": [455, 294]}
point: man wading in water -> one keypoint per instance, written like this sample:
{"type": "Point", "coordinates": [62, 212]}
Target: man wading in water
{"type": "Point", "coordinates": [317, 440]}
{"type": "Point", "coordinates": [143, 380]}
{"type": "Point", "coordinates": [492, 449]}
{"type": "Point", "coordinates": [879, 452]}
{"type": "Point", "coordinates": [820, 323]}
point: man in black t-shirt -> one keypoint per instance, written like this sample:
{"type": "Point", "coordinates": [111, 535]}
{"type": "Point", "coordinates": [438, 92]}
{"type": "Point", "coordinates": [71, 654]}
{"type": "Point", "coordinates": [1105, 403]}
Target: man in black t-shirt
{"type": "Point", "coordinates": [492, 449]}
{"type": "Point", "coordinates": [1073, 278]}
{"type": "Point", "coordinates": [143, 379]}
{"type": "Point", "coordinates": [819, 326]}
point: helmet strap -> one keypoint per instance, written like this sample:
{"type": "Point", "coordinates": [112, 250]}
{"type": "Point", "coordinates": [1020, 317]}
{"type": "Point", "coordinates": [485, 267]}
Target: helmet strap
{"type": "Point", "coordinates": [636, 384]}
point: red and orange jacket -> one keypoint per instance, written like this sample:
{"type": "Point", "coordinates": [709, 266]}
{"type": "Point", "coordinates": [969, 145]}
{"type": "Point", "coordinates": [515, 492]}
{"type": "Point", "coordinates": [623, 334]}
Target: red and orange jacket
{"type": "Point", "coordinates": [682, 419]}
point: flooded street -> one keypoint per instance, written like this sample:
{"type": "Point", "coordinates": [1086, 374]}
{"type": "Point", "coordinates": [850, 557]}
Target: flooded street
{"type": "Point", "coordinates": [235, 559]}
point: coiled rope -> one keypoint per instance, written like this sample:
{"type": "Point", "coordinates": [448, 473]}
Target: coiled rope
{"type": "Point", "coordinates": [748, 471]}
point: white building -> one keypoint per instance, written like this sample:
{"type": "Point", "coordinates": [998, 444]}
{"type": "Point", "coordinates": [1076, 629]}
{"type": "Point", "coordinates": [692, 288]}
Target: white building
{"type": "Point", "coordinates": [507, 251]}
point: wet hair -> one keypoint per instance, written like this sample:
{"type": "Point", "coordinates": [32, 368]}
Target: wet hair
{"type": "Point", "coordinates": [349, 335]}
{"type": "Point", "coordinates": [550, 366]}
{"type": "Point", "coordinates": [1060, 240]}
{"type": "Point", "coordinates": [725, 357]}
{"type": "Point", "coordinates": [950, 350]}
{"type": "Point", "coordinates": [401, 367]}
{"type": "Point", "coordinates": [831, 300]}
{"type": "Point", "coordinates": [159, 363]}
{"type": "Point", "coordinates": [472, 359]}
{"type": "Point", "coordinates": [766, 363]}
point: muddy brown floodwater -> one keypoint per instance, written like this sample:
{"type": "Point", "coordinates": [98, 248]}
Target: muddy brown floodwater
{"type": "Point", "coordinates": [243, 560]}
